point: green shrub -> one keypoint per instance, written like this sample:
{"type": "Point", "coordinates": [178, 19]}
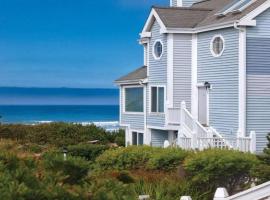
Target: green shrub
{"type": "Point", "coordinates": [134, 157]}
{"type": "Point", "coordinates": [125, 177]}
{"type": "Point", "coordinates": [87, 151]}
{"type": "Point", "coordinates": [59, 134]}
{"type": "Point", "coordinates": [73, 169]}
{"type": "Point", "coordinates": [166, 159]}
{"type": "Point", "coordinates": [215, 168]}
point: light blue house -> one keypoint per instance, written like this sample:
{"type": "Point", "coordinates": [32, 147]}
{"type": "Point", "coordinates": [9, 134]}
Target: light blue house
{"type": "Point", "coordinates": [206, 77]}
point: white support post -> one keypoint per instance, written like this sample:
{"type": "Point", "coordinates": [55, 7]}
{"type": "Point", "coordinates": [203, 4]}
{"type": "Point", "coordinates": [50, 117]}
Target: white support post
{"type": "Point", "coordinates": [253, 142]}
{"type": "Point", "coordinates": [185, 198]}
{"type": "Point", "coordinates": [182, 121]}
{"type": "Point", "coordinates": [242, 83]}
{"type": "Point", "coordinates": [194, 140]}
{"type": "Point", "coordinates": [221, 194]}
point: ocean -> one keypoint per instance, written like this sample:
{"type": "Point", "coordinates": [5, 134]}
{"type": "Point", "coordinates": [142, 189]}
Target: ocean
{"type": "Point", "coordinates": [44, 105]}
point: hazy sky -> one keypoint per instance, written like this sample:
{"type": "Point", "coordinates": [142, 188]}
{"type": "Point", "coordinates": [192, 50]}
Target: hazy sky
{"type": "Point", "coordinates": [70, 43]}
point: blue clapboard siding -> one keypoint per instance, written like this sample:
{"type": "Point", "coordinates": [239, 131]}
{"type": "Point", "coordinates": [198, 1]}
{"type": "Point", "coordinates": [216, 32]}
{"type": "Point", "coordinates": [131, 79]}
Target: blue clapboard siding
{"type": "Point", "coordinates": [157, 74]}
{"type": "Point", "coordinates": [135, 121]}
{"type": "Point", "coordinates": [182, 70]}
{"type": "Point", "coordinates": [158, 68]}
{"type": "Point", "coordinates": [258, 79]}
{"type": "Point", "coordinates": [222, 74]}
{"type": "Point", "coordinates": [158, 137]}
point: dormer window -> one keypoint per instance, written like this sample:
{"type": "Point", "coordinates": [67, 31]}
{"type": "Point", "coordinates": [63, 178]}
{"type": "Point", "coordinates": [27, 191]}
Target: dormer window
{"type": "Point", "coordinates": [217, 45]}
{"type": "Point", "coordinates": [158, 49]}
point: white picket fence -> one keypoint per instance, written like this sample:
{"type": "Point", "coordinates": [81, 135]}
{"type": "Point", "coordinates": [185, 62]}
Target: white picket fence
{"type": "Point", "coordinates": [192, 135]}
{"type": "Point", "coordinates": [260, 192]}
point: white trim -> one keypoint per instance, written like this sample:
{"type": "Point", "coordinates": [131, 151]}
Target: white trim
{"type": "Point", "coordinates": [145, 54]}
{"type": "Point", "coordinates": [157, 128]}
{"type": "Point", "coordinates": [131, 131]}
{"type": "Point", "coordinates": [145, 114]}
{"type": "Point", "coordinates": [242, 83]}
{"type": "Point", "coordinates": [212, 42]}
{"type": "Point", "coordinates": [170, 62]}
{"type": "Point", "coordinates": [152, 17]}
{"type": "Point", "coordinates": [249, 17]}
{"type": "Point", "coordinates": [245, 21]}
{"type": "Point", "coordinates": [124, 100]}
{"type": "Point", "coordinates": [150, 100]}
{"type": "Point", "coordinates": [153, 49]}
{"type": "Point", "coordinates": [207, 103]}
{"type": "Point", "coordinates": [194, 89]}
{"type": "Point", "coordinates": [120, 104]}
{"type": "Point", "coordinates": [146, 34]}
{"type": "Point", "coordinates": [132, 82]}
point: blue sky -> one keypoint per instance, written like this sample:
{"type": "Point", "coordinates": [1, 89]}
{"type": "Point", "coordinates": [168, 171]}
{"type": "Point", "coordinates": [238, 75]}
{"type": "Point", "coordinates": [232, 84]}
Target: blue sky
{"type": "Point", "coordinates": [70, 43]}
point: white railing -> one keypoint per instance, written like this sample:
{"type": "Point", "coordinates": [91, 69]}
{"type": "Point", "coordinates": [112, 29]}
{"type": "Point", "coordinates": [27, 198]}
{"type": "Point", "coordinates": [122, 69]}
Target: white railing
{"type": "Point", "coordinates": [258, 192]}
{"type": "Point", "coordinates": [173, 116]}
{"type": "Point", "coordinates": [192, 135]}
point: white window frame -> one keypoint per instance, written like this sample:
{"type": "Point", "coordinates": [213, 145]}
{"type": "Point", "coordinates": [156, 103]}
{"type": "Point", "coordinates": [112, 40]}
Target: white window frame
{"type": "Point", "coordinates": [212, 44]}
{"type": "Point", "coordinates": [124, 100]}
{"type": "Point", "coordinates": [137, 132]}
{"type": "Point", "coordinates": [150, 99]}
{"type": "Point", "coordinates": [153, 49]}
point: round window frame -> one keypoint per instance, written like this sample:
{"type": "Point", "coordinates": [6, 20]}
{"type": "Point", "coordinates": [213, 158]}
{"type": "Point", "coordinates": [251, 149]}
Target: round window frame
{"type": "Point", "coordinates": [212, 45]}
{"type": "Point", "coordinates": [153, 50]}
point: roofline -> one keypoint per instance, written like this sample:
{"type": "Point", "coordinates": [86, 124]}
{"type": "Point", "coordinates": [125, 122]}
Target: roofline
{"type": "Point", "coordinates": [132, 82]}
{"type": "Point", "coordinates": [254, 13]}
{"type": "Point", "coordinates": [247, 20]}
{"type": "Point", "coordinates": [153, 15]}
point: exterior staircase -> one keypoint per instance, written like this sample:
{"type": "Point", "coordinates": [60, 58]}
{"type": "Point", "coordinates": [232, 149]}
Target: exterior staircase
{"type": "Point", "coordinates": [193, 135]}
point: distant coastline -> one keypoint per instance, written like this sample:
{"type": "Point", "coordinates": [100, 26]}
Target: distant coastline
{"type": "Point", "coordinates": [72, 105]}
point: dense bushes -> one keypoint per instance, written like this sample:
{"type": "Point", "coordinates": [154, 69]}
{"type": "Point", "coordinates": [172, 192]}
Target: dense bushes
{"type": "Point", "coordinates": [141, 157]}
{"type": "Point", "coordinates": [59, 134]}
{"type": "Point", "coordinates": [215, 168]}
{"type": "Point", "coordinates": [72, 170]}
{"type": "Point", "coordinates": [87, 151]}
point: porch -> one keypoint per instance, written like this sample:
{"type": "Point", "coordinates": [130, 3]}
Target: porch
{"type": "Point", "coordinates": [193, 135]}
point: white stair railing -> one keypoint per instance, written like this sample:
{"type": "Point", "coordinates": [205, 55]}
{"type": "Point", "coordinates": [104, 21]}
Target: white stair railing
{"type": "Point", "coordinates": [191, 128]}
{"type": "Point", "coordinates": [192, 135]}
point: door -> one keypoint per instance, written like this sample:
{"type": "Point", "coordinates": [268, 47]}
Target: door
{"type": "Point", "coordinates": [203, 105]}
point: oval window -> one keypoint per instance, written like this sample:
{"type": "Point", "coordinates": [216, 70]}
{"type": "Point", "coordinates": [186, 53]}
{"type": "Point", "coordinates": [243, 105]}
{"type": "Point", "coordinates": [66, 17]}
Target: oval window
{"type": "Point", "coordinates": [217, 46]}
{"type": "Point", "coordinates": [158, 49]}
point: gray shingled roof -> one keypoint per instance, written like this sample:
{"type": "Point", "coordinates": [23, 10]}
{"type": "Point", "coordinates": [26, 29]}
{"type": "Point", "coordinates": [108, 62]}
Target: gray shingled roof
{"type": "Point", "coordinates": [200, 14]}
{"type": "Point", "coordinates": [174, 17]}
{"type": "Point", "coordinates": [136, 75]}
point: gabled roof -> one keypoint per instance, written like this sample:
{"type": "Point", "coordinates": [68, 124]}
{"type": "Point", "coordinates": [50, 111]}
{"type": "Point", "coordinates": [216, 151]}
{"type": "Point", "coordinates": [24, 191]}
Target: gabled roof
{"type": "Point", "coordinates": [135, 76]}
{"type": "Point", "coordinates": [200, 15]}
{"type": "Point", "coordinates": [184, 17]}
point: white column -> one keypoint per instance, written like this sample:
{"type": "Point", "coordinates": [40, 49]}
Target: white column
{"type": "Point", "coordinates": [253, 142]}
{"type": "Point", "coordinates": [170, 71]}
{"type": "Point", "coordinates": [194, 92]}
{"type": "Point", "coordinates": [221, 194]}
{"type": "Point", "coordinates": [242, 83]}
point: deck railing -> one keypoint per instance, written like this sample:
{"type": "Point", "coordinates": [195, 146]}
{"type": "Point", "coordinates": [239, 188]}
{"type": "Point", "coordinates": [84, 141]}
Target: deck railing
{"type": "Point", "coordinates": [192, 135]}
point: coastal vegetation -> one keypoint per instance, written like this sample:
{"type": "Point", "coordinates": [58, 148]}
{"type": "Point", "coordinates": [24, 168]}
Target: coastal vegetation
{"type": "Point", "coordinates": [36, 168]}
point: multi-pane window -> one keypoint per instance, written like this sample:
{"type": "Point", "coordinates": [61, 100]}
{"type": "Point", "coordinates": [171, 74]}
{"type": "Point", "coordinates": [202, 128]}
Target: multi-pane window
{"type": "Point", "coordinates": [134, 99]}
{"type": "Point", "coordinates": [137, 138]}
{"type": "Point", "coordinates": [157, 99]}
{"type": "Point", "coordinates": [158, 49]}
{"type": "Point", "coordinates": [217, 46]}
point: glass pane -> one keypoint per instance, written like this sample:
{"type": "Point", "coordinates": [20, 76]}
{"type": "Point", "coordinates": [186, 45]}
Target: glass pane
{"type": "Point", "coordinates": [134, 100]}
{"type": "Point", "coordinates": [158, 49]}
{"type": "Point", "coordinates": [140, 135]}
{"type": "Point", "coordinates": [154, 99]}
{"type": "Point", "coordinates": [161, 99]}
{"type": "Point", "coordinates": [134, 138]}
